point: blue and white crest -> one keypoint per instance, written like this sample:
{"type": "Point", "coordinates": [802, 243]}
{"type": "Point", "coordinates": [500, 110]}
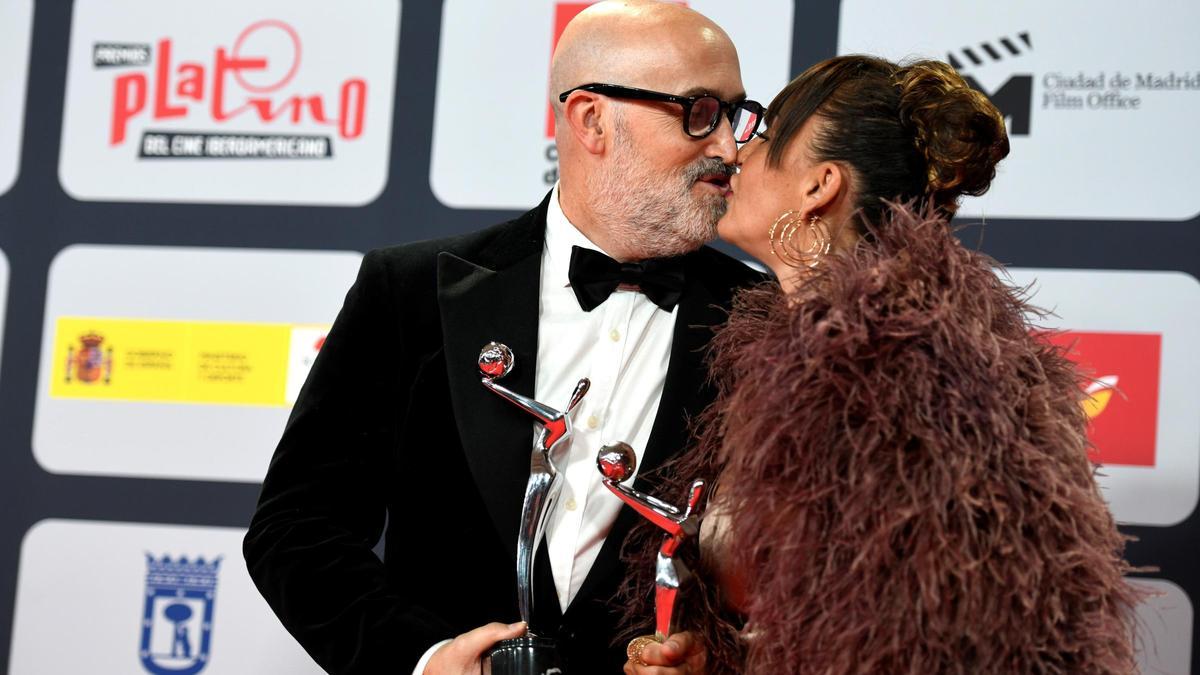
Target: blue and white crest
{"type": "Point", "coordinates": [177, 620]}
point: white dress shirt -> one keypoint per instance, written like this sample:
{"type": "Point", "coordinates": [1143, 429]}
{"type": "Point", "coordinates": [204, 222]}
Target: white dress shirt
{"type": "Point", "coordinates": [623, 346]}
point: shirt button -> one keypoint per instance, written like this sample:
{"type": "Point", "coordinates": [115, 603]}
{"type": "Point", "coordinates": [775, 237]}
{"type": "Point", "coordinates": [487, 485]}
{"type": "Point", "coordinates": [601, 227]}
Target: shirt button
{"type": "Point", "coordinates": [593, 421]}
{"type": "Point", "coordinates": [614, 335]}
{"type": "Point", "coordinates": [571, 505]}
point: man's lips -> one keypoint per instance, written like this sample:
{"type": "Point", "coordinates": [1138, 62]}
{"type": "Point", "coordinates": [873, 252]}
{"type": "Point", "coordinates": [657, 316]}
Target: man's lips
{"type": "Point", "coordinates": [718, 181]}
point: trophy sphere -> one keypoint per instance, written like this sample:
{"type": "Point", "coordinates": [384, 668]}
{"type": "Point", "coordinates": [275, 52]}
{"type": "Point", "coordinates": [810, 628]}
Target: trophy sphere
{"type": "Point", "coordinates": [495, 360]}
{"type": "Point", "coordinates": [616, 462]}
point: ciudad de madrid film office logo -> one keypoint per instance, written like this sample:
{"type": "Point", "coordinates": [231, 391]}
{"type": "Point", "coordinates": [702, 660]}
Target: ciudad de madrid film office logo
{"type": "Point", "coordinates": [1088, 89]}
{"type": "Point", "coordinates": [1061, 91]}
{"type": "Point", "coordinates": [1085, 92]}
{"type": "Point", "coordinates": [271, 102]}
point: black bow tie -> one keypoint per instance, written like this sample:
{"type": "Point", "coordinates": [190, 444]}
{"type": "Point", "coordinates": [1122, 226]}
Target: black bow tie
{"type": "Point", "coordinates": [594, 276]}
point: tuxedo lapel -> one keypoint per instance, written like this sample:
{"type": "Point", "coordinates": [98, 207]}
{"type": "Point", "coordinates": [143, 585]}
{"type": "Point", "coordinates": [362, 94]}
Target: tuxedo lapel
{"type": "Point", "coordinates": [494, 298]}
{"type": "Point", "coordinates": [684, 395]}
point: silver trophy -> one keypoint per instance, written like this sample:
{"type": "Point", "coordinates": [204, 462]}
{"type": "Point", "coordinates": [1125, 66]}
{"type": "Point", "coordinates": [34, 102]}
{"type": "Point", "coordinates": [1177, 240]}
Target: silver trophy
{"type": "Point", "coordinates": [530, 654]}
{"type": "Point", "coordinates": [617, 463]}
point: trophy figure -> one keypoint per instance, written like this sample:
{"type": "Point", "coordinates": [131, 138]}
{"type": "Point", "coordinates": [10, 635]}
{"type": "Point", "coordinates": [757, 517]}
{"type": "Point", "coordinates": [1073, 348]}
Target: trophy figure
{"type": "Point", "coordinates": [530, 654]}
{"type": "Point", "coordinates": [617, 463]}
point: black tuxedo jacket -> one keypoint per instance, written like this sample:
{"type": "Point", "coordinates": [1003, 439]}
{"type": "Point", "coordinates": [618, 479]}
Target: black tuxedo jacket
{"type": "Point", "coordinates": [393, 429]}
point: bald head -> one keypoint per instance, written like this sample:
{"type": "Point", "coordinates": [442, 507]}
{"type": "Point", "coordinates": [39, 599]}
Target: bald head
{"type": "Point", "coordinates": [632, 177]}
{"type": "Point", "coordinates": [636, 43]}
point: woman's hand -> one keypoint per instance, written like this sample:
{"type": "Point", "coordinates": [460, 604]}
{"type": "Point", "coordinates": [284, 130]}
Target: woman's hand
{"type": "Point", "coordinates": [681, 654]}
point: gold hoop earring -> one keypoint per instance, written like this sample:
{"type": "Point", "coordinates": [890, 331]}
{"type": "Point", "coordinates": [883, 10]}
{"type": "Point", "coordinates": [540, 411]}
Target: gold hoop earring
{"type": "Point", "coordinates": [790, 217]}
{"type": "Point", "coordinates": [787, 224]}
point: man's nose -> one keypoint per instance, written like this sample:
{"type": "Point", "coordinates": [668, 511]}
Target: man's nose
{"type": "Point", "coordinates": [721, 144]}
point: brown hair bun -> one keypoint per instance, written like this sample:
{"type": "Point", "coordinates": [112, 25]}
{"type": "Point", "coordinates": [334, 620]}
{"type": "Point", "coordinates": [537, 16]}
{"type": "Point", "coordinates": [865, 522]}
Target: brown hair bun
{"type": "Point", "coordinates": [957, 129]}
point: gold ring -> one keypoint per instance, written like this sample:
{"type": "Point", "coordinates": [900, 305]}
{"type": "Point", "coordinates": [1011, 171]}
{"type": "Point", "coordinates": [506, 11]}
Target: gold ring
{"type": "Point", "coordinates": [635, 647]}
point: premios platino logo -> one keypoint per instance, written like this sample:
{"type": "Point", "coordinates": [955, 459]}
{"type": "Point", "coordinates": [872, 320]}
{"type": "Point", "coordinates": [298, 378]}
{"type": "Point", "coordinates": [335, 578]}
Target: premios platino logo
{"type": "Point", "coordinates": [266, 101]}
{"type": "Point", "coordinates": [237, 82]}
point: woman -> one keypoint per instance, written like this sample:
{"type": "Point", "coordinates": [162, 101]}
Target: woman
{"type": "Point", "coordinates": [901, 462]}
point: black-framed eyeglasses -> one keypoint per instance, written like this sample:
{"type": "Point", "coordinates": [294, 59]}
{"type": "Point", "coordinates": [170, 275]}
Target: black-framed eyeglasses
{"type": "Point", "coordinates": [701, 114]}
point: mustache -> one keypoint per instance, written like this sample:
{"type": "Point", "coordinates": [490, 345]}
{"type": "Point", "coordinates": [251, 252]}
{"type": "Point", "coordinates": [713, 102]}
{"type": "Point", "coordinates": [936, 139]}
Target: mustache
{"type": "Point", "coordinates": [708, 167]}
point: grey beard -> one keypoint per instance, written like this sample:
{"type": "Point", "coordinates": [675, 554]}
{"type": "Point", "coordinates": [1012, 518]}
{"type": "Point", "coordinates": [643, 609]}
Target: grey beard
{"type": "Point", "coordinates": [657, 217]}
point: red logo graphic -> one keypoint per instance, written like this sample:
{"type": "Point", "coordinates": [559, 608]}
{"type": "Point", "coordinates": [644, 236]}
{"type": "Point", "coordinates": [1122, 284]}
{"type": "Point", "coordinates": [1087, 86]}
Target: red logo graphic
{"type": "Point", "coordinates": [1122, 401]}
{"type": "Point", "coordinates": [235, 83]}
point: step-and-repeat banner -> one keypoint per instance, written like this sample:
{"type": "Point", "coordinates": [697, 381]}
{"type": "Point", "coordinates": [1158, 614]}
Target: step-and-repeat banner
{"type": "Point", "coordinates": [186, 191]}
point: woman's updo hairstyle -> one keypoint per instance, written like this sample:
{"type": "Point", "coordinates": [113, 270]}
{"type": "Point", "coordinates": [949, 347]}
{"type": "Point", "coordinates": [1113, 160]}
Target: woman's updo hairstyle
{"type": "Point", "coordinates": [916, 131]}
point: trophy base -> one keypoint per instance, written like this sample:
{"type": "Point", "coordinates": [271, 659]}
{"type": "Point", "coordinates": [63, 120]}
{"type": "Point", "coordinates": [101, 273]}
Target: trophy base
{"type": "Point", "coordinates": [526, 655]}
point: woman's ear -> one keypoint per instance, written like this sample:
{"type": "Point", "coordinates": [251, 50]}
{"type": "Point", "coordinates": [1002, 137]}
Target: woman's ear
{"type": "Point", "coordinates": [583, 112]}
{"type": "Point", "coordinates": [825, 187]}
{"type": "Point", "coordinates": [827, 198]}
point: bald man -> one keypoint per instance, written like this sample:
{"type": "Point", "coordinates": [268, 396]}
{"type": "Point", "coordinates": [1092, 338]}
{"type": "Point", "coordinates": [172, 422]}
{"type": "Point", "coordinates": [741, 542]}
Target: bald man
{"type": "Point", "coordinates": [607, 279]}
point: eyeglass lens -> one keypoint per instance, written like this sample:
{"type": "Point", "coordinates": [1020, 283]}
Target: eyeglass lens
{"type": "Point", "coordinates": [705, 116]}
{"type": "Point", "coordinates": [744, 124]}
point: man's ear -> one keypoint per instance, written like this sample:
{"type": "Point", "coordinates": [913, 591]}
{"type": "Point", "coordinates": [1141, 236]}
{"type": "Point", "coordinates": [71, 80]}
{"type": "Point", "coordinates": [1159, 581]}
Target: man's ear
{"type": "Point", "coordinates": [583, 112]}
